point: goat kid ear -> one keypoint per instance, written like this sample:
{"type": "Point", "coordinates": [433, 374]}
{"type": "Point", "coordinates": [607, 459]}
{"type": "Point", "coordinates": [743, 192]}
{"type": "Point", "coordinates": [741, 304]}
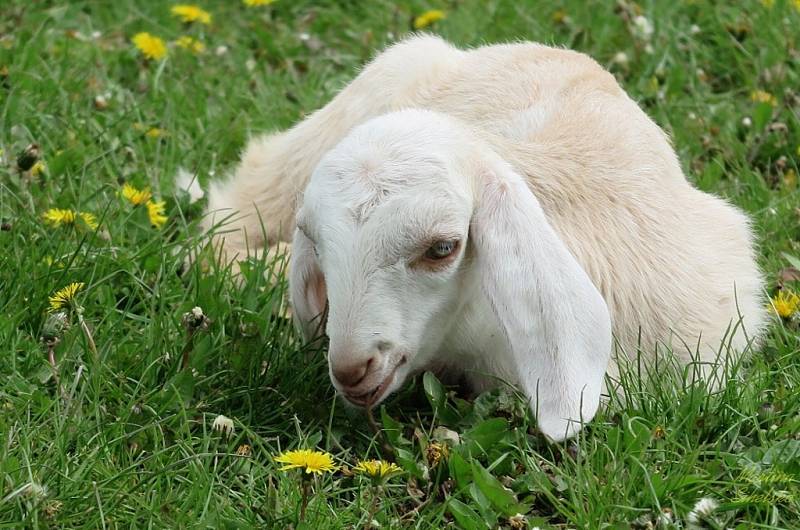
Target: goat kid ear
{"type": "Point", "coordinates": [555, 320]}
{"type": "Point", "coordinates": [307, 291]}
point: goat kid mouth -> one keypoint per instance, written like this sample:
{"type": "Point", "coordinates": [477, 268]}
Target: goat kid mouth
{"type": "Point", "coordinates": [373, 397]}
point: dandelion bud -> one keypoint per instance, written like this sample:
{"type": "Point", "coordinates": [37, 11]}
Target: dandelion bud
{"type": "Point", "coordinates": [54, 326]}
{"type": "Point", "coordinates": [28, 157]}
{"type": "Point", "coordinates": [435, 452]}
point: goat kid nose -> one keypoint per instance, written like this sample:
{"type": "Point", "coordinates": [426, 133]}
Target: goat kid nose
{"type": "Point", "coordinates": [352, 374]}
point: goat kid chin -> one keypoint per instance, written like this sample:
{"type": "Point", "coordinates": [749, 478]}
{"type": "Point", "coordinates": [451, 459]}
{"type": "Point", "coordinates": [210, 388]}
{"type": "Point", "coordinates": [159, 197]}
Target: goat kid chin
{"type": "Point", "coordinates": [411, 227]}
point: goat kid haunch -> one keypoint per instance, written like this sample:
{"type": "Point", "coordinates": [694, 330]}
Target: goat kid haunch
{"type": "Point", "coordinates": [495, 213]}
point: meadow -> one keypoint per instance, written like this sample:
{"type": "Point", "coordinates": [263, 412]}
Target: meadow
{"type": "Point", "coordinates": [102, 425]}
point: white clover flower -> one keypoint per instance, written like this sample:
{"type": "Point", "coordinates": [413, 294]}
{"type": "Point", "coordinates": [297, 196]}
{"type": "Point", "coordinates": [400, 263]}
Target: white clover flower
{"type": "Point", "coordinates": [703, 509]}
{"type": "Point", "coordinates": [747, 122]}
{"type": "Point", "coordinates": [221, 50]}
{"type": "Point", "coordinates": [642, 27]}
{"type": "Point", "coordinates": [224, 425]}
{"type": "Point", "coordinates": [649, 50]}
{"type": "Point", "coordinates": [694, 29]}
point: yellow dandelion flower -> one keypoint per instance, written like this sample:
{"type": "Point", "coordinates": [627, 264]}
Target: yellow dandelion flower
{"type": "Point", "coordinates": [255, 3]}
{"type": "Point", "coordinates": [429, 17]}
{"type": "Point", "coordinates": [64, 297]}
{"type": "Point", "coordinates": [154, 132]}
{"type": "Point", "coordinates": [762, 96]}
{"type": "Point", "coordinates": [188, 43]}
{"type": "Point", "coordinates": [90, 220]}
{"type": "Point", "coordinates": [559, 16]}
{"type": "Point", "coordinates": [310, 461]}
{"type": "Point", "coordinates": [152, 47]}
{"type": "Point", "coordinates": [796, 4]}
{"type": "Point", "coordinates": [377, 469]}
{"type": "Point", "coordinates": [790, 178]}
{"type": "Point", "coordinates": [135, 195]}
{"type": "Point", "coordinates": [58, 217]}
{"type": "Point", "coordinates": [155, 211]}
{"type": "Point", "coordinates": [786, 303]}
{"type": "Point", "coordinates": [191, 13]}
{"type": "Point", "coordinates": [38, 168]}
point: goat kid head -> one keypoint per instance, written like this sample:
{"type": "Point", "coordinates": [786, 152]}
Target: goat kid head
{"type": "Point", "coordinates": [404, 224]}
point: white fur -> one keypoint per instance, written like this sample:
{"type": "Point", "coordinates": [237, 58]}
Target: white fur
{"type": "Point", "coordinates": [574, 211]}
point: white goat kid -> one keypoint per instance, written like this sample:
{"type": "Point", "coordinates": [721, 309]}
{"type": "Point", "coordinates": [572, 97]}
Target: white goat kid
{"type": "Point", "coordinates": [502, 232]}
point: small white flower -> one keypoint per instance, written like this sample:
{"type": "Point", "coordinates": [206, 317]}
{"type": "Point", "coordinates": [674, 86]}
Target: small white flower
{"type": "Point", "coordinates": [96, 34]}
{"type": "Point", "coordinates": [224, 425]}
{"type": "Point", "coordinates": [100, 102]}
{"type": "Point", "coordinates": [250, 64]}
{"type": "Point", "coordinates": [190, 184]}
{"type": "Point", "coordinates": [692, 116]}
{"type": "Point", "coordinates": [694, 29]}
{"type": "Point", "coordinates": [620, 58]}
{"type": "Point", "coordinates": [648, 49]}
{"type": "Point", "coordinates": [703, 509]}
{"type": "Point", "coordinates": [221, 50]}
{"type": "Point", "coordinates": [518, 521]}
{"type": "Point", "coordinates": [747, 122]}
{"type": "Point", "coordinates": [665, 519]}
{"type": "Point", "coordinates": [642, 27]}
{"type": "Point", "coordinates": [304, 36]}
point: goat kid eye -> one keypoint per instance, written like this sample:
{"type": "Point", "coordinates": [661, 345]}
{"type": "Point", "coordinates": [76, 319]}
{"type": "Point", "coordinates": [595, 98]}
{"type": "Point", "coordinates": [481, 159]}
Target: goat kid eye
{"type": "Point", "coordinates": [441, 249]}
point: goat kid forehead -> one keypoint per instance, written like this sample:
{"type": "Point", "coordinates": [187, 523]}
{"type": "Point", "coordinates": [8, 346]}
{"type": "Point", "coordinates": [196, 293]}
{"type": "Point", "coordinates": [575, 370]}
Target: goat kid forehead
{"type": "Point", "coordinates": [398, 227]}
{"type": "Point", "coordinates": [389, 203]}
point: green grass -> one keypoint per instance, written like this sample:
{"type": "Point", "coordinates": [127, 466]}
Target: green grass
{"type": "Point", "coordinates": [125, 440]}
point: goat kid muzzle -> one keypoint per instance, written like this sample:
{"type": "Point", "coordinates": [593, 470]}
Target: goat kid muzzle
{"type": "Point", "coordinates": [374, 395]}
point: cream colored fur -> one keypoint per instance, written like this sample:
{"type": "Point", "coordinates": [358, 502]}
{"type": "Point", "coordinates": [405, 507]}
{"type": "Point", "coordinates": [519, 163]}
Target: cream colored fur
{"type": "Point", "coordinates": [675, 266]}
